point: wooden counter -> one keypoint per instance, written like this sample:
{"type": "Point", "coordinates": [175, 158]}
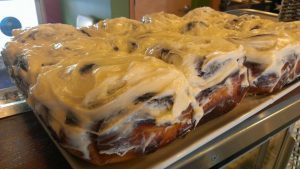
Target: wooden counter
{"type": "Point", "coordinates": [25, 145]}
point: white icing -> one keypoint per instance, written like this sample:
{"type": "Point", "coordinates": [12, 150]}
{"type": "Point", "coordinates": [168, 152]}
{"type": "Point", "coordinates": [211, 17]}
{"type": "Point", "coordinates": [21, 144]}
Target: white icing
{"type": "Point", "coordinates": [126, 61]}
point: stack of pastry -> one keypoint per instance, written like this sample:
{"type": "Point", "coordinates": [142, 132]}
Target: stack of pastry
{"type": "Point", "coordinates": [123, 88]}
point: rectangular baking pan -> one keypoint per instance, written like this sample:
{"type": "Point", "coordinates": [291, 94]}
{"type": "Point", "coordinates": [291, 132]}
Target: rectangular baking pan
{"type": "Point", "coordinates": [262, 14]}
{"type": "Point", "coordinates": [197, 138]}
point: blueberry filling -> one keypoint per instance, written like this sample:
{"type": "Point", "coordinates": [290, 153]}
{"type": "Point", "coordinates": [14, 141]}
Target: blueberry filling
{"type": "Point", "coordinates": [132, 46]}
{"type": "Point", "coordinates": [205, 94]}
{"type": "Point", "coordinates": [266, 80]}
{"type": "Point", "coordinates": [255, 68]}
{"type": "Point", "coordinates": [211, 70]}
{"type": "Point", "coordinates": [191, 25]}
{"type": "Point", "coordinates": [144, 97]}
{"type": "Point", "coordinates": [145, 122]}
{"type": "Point", "coordinates": [199, 64]}
{"type": "Point", "coordinates": [165, 102]}
{"type": "Point", "coordinates": [164, 52]}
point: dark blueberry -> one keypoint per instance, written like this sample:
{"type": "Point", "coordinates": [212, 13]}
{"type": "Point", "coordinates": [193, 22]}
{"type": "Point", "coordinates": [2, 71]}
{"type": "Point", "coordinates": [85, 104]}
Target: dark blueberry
{"type": "Point", "coordinates": [213, 68]}
{"type": "Point", "coordinates": [255, 68]}
{"type": "Point", "coordinates": [116, 48]}
{"type": "Point", "coordinates": [164, 52]}
{"type": "Point", "coordinates": [84, 32]}
{"type": "Point", "coordinates": [86, 68]}
{"type": "Point", "coordinates": [71, 119]}
{"type": "Point", "coordinates": [233, 24]}
{"type": "Point", "coordinates": [235, 20]}
{"type": "Point", "coordinates": [151, 147]}
{"type": "Point", "coordinates": [200, 73]}
{"type": "Point", "coordinates": [189, 26]}
{"type": "Point", "coordinates": [145, 122]}
{"type": "Point", "coordinates": [144, 97]}
{"type": "Point", "coordinates": [21, 62]}
{"type": "Point", "coordinates": [132, 46]}
{"type": "Point", "coordinates": [266, 80]}
{"type": "Point", "coordinates": [205, 93]}
{"type": "Point", "coordinates": [166, 102]}
{"type": "Point", "coordinates": [97, 125]}
{"type": "Point", "coordinates": [199, 64]}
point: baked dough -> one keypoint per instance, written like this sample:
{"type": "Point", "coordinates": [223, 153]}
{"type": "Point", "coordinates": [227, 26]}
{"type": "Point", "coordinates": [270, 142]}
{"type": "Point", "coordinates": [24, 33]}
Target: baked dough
{"type": "Point", "coordinates": [123, 88]}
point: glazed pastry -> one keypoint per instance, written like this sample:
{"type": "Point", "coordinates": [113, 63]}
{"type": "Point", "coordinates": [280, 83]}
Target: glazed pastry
{"type": "Point", "coordinates": [123, 88]}
{"type": "Point", "coordinates": [101, 104]}
{"type": "Point", "coordinates": [272, 48]}
{"type": "Point", "coordinates": [273, 53]}
{"type": "Point", "coordinates": [213, 66]}
{"type": "Point", "coordinates": [128, 105]}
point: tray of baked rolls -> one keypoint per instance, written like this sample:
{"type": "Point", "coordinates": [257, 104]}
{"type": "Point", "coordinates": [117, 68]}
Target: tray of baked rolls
{"type": "Point", "coordinates": [200, 136]}
{"type": "Point", "coordinates": [130, 94]}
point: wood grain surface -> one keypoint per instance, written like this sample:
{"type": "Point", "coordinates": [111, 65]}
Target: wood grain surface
{"type": "Point", "coordinates": [25, 145]}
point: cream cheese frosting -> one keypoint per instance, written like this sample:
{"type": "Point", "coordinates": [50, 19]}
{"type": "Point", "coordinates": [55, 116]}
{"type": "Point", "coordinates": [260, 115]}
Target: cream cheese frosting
{"type": "Point", "coordinates": [120, 71]}
{"type": "Point", "coordinates": [110, 91]}
{"type": "Point", "coordinates": [102, 73]}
